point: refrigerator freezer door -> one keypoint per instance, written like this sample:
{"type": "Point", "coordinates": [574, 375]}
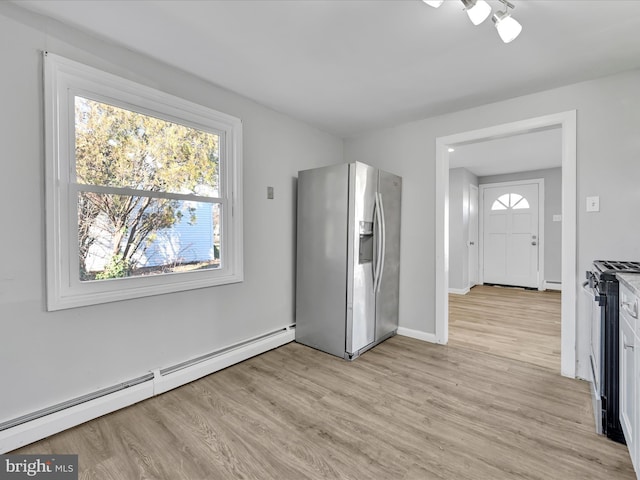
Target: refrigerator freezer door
{"type": "Point", "coordinates": [390, 194]}
{"type": "Point", "coordinates": [360, 296]}
{"type": "Point", "coordinates": [321, 310]}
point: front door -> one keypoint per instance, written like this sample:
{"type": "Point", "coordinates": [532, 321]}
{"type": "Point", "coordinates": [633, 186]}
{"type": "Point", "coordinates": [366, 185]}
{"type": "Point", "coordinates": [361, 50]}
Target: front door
{"type": "Point", "coordinates": [510, 237]}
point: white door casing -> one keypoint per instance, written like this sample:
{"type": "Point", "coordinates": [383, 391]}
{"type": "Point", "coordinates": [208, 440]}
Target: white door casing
{"type": "Point", "coordinates": [567, 121]}
{"type": "Point", "coordinates": [473, 235]}
{"type": "Point", "coordinates": [512, 235]}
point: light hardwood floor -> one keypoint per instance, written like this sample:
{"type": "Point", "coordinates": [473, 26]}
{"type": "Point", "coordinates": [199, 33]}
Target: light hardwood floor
{"type": "Point", "coordinates": [513, 323]}
{"type": "Point", "coordinates": [404, 410]}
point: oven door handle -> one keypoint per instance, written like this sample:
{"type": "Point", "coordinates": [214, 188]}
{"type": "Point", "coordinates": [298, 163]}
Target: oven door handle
{"type": "Point", "coordinates": [588, 290]}
{"type": "Point", "coordinates": [593, 293]}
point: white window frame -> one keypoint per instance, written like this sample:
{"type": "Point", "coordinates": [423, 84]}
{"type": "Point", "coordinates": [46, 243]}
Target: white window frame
{"type": "Point", "coordinates": [63, 80]}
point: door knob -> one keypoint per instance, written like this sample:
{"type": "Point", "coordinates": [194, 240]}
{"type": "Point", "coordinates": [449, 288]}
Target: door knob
{"type": "Point", "coordinates": [472, 243]}
{"type": "Point", "coordinates": [534, 243]}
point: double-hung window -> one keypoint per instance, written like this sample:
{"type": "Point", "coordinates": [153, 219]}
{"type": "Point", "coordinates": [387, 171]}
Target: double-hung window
{"type": "Point", "coordinates": [143, 189]}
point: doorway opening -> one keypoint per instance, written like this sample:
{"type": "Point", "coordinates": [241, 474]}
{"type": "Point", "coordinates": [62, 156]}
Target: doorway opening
{"type": "Point", "coordinates": [566, 121]}
{"type": "Point", "coordinates": [509, 314]}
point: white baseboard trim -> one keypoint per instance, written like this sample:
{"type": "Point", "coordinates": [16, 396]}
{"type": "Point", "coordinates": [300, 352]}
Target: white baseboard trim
{"type": "Point", "coordinates": [459, 291]}
{"type": "Point", "coordinates": [552, 286]}
{"type": "Point", "coordinates": [417, 334]}
{"type": "Point", "coordinates": [34, 430]}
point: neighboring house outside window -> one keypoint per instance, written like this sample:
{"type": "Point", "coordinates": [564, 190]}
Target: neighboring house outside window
{"type": "Point", "coordinates": [143, 189]}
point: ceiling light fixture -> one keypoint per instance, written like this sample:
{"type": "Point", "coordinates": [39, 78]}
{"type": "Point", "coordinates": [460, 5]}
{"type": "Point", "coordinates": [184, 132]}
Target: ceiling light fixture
{"type": "Point", "coordinates": [478, 10]}
{"type": "Point", "coordinates": [508, 27]}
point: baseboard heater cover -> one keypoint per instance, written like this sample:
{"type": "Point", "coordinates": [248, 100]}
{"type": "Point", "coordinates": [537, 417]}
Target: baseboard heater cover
{"type": "Point", "coordinates": [217, 353]}
{"type": "Point", "coordinates": [180, 374]}
{"type": "Point", "coordinates": [74, 401]}
{"type": "Point", "coordinates": [42, 423]}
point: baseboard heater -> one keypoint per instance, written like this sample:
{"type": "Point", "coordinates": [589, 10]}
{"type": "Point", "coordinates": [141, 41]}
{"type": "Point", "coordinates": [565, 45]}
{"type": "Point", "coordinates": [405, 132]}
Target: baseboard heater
{"type": "Point", "coordinates": [74, 401]}
{"type": "Point", "coordinates": [40, 424]}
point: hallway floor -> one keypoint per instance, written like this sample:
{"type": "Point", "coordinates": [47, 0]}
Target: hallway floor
{"type": "Point", "coordinates": [509, 322]}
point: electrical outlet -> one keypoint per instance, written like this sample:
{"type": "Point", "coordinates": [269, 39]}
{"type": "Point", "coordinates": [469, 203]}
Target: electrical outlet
{"type": "Point", "coordinates": [557, 218]}
{"type": "Point", "coordinates": [593, 204]}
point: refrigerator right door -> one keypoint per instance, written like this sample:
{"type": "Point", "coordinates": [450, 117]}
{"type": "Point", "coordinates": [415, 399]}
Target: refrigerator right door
{"type": "Point", "coordinates": [387, 301]}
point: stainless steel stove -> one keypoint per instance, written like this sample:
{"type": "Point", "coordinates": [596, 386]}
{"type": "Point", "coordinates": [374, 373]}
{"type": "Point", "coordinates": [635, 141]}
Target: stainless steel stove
{"type": "Point", "coordinates": [602, 288]}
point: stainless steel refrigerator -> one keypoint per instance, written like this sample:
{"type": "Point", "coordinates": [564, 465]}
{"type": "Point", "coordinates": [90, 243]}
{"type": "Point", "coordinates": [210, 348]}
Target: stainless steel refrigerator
{"type": "Point", "coordinates": [348, 258]}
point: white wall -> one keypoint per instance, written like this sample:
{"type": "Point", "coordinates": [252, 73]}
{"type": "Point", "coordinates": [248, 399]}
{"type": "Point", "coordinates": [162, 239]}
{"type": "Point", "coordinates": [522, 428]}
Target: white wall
{"type": "Point", "coordinates": [47, 358]}
{"type": "Point", "coordinates": [608, 114]}
{"type": "Point", "coordinates": [459, 181]}
{"type": "Point", "coordinates": [552, 206]}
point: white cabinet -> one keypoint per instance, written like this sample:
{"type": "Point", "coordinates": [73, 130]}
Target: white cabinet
{"type": "Point", "coordinates": [630, 371]}
{"type": "Point", "coordinates": [628, 410]}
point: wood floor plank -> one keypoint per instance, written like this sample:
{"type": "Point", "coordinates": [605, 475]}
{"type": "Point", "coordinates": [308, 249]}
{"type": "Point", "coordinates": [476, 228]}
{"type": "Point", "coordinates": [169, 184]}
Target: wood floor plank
{"type": "Point", "coordinates": [510, 322]}
{"type": "Point", "coordinates": [405, 410]}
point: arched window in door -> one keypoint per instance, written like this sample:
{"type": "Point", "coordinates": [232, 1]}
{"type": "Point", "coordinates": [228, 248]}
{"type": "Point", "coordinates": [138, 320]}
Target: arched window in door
{"type": "Point", "coordinates": [510, 201]}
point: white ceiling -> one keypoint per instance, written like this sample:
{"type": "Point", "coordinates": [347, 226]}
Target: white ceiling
{"type": "Point", "coordinates": [519, 153]}
{"type": "Point", "coordinates": [351, 66]}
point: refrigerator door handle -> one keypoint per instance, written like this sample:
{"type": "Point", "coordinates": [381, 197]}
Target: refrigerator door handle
{"type": "Point", "coordinates": [383, 241]}
{"type": "Point", "coordinates": [378, 237]}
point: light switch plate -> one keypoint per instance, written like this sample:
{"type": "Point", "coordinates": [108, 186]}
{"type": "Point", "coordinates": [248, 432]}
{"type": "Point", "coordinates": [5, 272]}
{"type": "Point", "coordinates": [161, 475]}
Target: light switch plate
{"type": "Point", "coordinates": [270, 193]}
{"type": "Point", "coordinates": [593, 204]}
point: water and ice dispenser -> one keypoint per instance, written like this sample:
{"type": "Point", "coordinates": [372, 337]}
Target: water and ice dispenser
{"type": "Point", "coordinates": [365, 252]}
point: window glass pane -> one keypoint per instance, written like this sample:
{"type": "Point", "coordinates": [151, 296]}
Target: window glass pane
{"type": "Point", "coordinates": [130, 236]}
{"type": "Point", "coordinates": [498, 205]}
{"type": "Point", "coordinates": [514, 198]}
{"type": "Point", "coordinates": [522, 203]}
{"type": "Point", "coordinates": [121, 148]}
{"type": "Point", "coordinates": [510, 200]}
{"type": "Point", "coordinates": [504, 199]}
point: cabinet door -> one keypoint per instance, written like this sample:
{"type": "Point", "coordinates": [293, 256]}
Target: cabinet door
{"type": "Point", "coordinates": [628, 385]}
